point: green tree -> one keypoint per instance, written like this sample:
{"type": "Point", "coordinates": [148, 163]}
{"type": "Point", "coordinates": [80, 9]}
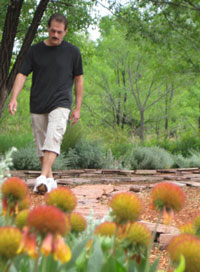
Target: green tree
{"type": "Point", "coordinates": [21, 21]}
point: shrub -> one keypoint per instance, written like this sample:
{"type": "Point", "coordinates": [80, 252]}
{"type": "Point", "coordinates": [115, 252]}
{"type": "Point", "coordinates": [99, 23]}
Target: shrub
{"type": "Point", "coordinates": [87, 154]}
{"type": "Point", "coordinates": [182, 146]}
{"type": "Point", "coordinates": [72, 135]}
{"type": "Point", "coordinates": [186, 162]}
{"type": "Point", "coordinates": [7, 141]}
{"type": "Point", "coordinates": [27, 159]}
{"type": "Point", "coordinates": [149, 158]}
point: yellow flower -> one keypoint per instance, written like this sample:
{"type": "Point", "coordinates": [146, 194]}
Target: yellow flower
{"type": "Point", "coordinates": [138, 234]}
{"type": "Point", "coordinates": [167, 195]}
{"type": "Point", "coordinates": [61, 251]}
{"type": "Point", "coordinates": [45, 219]}
{"type": "Point", "coordinates": [54, 244]}
{"type": "Point", "coordinates": [21, 219]}
{"type": "Point", "coordinates": [106, 229]}
{"type": "Point", "coordinates": [14, 189]}
{"type": "Point", "coordinates": [188, 246]}
{"type": "Point", "coordinates": [10, 238]}
{"type": "Point", "coordinates": [196, 224]}
{"type": "Point", "coordinates": [126, 207]}
{"type": "Point", "coordinates": [78, 222]}
{"type": "Point", "coordinates": [187, 228]}
{"type": "Point", "coordinates": [63, 198]}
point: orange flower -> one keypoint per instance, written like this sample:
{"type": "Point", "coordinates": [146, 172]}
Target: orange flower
{"type": "Point", "coordinates": [126, 207]}
{"type": "Point", "coordinates": [188, 246]}
{"type": "Point", "coordinates": [56, 245]}
{"type": "Point", "coordinates": [61, 251]}
{"type": "Point", "coordinates": [10, 238]}
{"type": "Point", "coordinates": [47, 245]}
{"type": "Point", "coordinates": [14, 189]}
{"type": "Point", "coordinates": [63, 198]}
{"type": "Point", "coordinates": [78, 222]}
{"type": "Point", "coordinates": [138, 234]}
{"type": "Point", "coordinates": [106, 229]}
{"type": "Point", "coordinates": [167, 195]}
{"type": "Point", "coordinates": [28, 244]}
{"type": "Point", "coordinates": [21, 219]}
{"type": "Point", "coordinates": [45, 219]}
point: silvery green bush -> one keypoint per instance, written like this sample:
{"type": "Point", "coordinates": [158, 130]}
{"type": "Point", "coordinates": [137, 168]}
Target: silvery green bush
{"type": "Point", "coordinates": [193, 160]}
{"type": "Point", "coordinates": [26, 159]}
{"type": "Point", "coordinates": [149, 158]}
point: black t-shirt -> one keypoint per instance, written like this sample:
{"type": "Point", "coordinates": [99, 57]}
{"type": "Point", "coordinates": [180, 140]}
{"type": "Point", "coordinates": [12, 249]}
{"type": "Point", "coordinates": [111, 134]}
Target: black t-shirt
{"type": "Point", "coordinates": [54, 69]}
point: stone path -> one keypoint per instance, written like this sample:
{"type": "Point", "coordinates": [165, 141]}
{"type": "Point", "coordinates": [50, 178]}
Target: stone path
{"type": "Point", "coordinates": [94, 188]}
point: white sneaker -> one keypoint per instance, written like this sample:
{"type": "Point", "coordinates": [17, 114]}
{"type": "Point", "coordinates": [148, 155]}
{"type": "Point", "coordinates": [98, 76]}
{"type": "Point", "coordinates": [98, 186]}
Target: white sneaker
{"type": "Point", "coordinates": [52, 184]}
{"type": "Point", "coordinates": [41, 185]}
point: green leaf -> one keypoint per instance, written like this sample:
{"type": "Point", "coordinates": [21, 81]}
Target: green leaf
{"type": "Point", "coordinates": [76, 251]}
{"type": "Point", "coordinates": [13, 269]}
{"type": "Point", "coordinates": [96, 259]}
{"type": "Point", "coordinates": [112, 264]}
{"type": "Point", "coordinates": [181, 267]}
{"type": "Point", "coordinates": [154, 266]}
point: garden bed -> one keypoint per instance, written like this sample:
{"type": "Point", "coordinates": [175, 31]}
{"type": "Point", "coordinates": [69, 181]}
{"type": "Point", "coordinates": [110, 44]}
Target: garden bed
{"type": "Point", "coordinates": [94, 196]}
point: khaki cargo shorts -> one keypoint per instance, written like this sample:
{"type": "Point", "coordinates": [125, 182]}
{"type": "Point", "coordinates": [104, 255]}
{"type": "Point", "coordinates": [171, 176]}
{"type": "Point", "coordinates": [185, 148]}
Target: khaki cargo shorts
{"type": "Point", "coordinates": [48, 130]}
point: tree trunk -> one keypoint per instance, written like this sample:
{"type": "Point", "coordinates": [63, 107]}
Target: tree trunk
{"type": "Point", "coordinates": [141, 131]}
{"type": "Point", "coordinates": [9, 34]}
{"type": "Point", "coordinates": [125, 99]}
{"type": "Point", "coordinates": [7, 43]}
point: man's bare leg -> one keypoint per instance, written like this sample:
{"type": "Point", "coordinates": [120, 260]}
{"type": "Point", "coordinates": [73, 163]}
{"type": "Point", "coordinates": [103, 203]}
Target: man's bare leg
{"type": "Point", "coordinates": [47, 163]}
{"type": "Point", "coordinates": [50, 174]}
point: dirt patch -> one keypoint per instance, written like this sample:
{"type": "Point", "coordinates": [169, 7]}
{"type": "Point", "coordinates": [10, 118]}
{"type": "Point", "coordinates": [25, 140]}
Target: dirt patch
{"type": "Point", "coordinates": [96, 198]}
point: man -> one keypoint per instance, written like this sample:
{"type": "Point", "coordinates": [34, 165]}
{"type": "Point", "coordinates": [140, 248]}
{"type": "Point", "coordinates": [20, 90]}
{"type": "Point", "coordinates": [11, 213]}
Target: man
{"type": "Point", "coordinates": [56, 65]}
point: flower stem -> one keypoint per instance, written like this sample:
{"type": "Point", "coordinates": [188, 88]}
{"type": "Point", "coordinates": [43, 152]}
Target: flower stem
{"type": "Point", "coordinates": [114, 240]}
{"type": "Point", "coordinates": [35, 269]}
{"type": "Point", "coordinates": [44, 264]}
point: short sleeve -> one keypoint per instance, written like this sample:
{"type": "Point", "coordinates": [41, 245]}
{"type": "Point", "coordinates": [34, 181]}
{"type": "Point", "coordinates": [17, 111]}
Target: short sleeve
{"type": "Point", "coordinates": [26, 67]}
{"type": "Point", "coordinates": [77, 65]}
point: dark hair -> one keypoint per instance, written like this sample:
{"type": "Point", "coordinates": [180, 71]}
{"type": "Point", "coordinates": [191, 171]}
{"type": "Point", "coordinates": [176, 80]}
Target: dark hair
{"type": "Point", "coordinates": [59, 18]}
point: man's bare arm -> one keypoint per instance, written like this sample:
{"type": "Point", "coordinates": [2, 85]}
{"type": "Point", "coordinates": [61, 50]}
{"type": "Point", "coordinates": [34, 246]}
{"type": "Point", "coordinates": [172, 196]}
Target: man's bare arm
{"type": "Point", "coordinates": [79, 96]}
{"type": "Point", "coordinates": [17, 87]}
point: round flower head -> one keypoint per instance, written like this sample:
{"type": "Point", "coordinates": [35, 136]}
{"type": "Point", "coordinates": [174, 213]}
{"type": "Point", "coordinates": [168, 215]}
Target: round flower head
{"type": "Point", "coordinates": [167, 195]}
{"type": "Point", "coordinates": [106, 229]}
{"type": "Point", "coordinates": [63, 198]}
{"type": "Point", "coordinates": [138, 234]}
{"type": "Point", "coordinates": [10, 238]}
{"type": "Point", "coordinates": [14, 189]}
{"type": "Point", "coordinates": [21, 219]}
{"type": "Point", "coordinates": [47, 219]}
{"type": "Point", "coordinates": [188, 246]}
{"type": "Point", "coordinates": [78, 222]}
{"type": "Point", "coordinates": [126, 207]}
{"type": "Point", "coordinates": [187, 228]}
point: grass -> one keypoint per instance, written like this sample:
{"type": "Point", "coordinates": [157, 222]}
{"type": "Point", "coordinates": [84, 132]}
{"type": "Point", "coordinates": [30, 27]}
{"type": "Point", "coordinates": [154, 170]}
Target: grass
{"type": "Point", "coordinates": [17, 140]}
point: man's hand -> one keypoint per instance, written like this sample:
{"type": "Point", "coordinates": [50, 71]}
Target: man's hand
{"type": "Point", "coordinates": [12, 106]}
{"type": "Point", "coordinates": [75, 115]}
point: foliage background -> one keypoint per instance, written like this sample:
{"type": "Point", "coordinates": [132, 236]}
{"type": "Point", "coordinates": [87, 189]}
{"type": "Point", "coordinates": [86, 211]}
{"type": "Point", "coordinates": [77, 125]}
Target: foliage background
{"type": "Point", "coordinates": [141, 76]}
